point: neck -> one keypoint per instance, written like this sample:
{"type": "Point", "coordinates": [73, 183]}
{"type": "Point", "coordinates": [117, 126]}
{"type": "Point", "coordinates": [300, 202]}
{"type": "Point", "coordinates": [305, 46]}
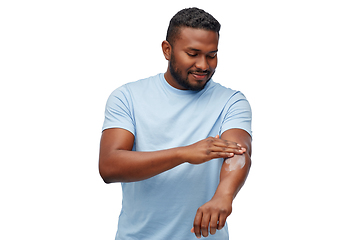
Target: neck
{"type": "Point", "coordinates": [170, 79]}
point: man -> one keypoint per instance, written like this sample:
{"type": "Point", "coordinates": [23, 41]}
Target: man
{"type": "Point", "coordinates": [161, 140]}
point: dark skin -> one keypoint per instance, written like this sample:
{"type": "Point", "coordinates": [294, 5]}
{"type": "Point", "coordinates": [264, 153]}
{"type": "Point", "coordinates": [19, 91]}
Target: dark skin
{"type": "Point", "coordinates": [195, 52]}
{"type": "Point", "coordinates": [196, 59]}
{"type": "Point", "coordinates": [214, 213]}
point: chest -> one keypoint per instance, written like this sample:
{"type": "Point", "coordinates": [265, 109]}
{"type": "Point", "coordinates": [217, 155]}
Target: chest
{"type": "Point", "coordinates": [163, 122]}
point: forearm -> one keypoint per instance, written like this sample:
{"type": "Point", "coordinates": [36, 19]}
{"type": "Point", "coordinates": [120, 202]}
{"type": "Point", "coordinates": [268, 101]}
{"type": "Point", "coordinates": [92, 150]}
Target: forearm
{"type": "Point", "coordinates": [233, 176]}
{"type": "Point", "coordinates": [130, 166]}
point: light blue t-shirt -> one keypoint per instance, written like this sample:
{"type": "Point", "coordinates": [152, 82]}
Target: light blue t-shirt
{"type": "Point", "coordinates": [162, 117]}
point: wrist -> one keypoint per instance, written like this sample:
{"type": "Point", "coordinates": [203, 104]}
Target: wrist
{"type": "Point", "coordinates": [180, 155]}
{"type": "Point", "coordinates": [224, 194]}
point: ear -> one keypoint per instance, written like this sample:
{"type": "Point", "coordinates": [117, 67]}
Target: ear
{"type": "Point", "coordinates": [166, 47]}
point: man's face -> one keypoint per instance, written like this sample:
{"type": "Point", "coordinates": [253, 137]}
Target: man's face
{"type": "Point", "coordinates": [193, 59]}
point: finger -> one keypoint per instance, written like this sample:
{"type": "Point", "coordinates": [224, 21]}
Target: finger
{"type": "Point", "coordinates": [229, 148]}
{"type": "Point", "coordinates": [226, 150]}
{"type": "Point", "coordinates": [222, 221]}
{"type": "Point", "coordinates": [213, 155]}
{"type": "Point", "coordinates": [226, 143]}
{"type": "Point", "coordinates": [214, 223]}
{"type": "Point", "coordinates": [205, 225]}
{"type": "Point", "coordinates": [197, 223]}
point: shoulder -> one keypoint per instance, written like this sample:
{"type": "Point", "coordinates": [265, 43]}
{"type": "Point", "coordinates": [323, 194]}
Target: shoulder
{"type": "Point", "coordinates": [143, 83]}
{"type": "Point", "coordinates": [229, 93]}
{"type": "Point", "coordinates": [130, 88]}
{"type": "Point", "coordinates": [235, 101]}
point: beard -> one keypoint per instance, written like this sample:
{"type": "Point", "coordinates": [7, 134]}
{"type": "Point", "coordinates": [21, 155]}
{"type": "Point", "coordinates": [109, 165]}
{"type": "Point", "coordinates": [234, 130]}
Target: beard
{"type": "Point", "coordinates": [184, 81]}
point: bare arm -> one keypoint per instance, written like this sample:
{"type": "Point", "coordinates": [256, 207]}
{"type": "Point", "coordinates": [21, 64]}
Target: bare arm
{"type": "Point", "coordinates": [117, 163]}
{"type": "Point", "coordinates": [233, 175]}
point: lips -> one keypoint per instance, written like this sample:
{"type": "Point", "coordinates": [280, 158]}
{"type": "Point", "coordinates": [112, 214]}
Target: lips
{"type": "Point", "coordinates": [199, 76]}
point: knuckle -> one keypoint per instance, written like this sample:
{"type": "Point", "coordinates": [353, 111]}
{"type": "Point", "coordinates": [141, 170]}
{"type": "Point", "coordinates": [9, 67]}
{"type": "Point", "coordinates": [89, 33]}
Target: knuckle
{"type": "Point", "coordinates": [205, 209]}
{"type": "Point", "coordinates": [225, 211]}
{"type": "Point", "coordinates": [213, 227]}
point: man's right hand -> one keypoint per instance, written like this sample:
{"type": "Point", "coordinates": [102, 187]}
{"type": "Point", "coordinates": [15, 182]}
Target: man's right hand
{"type": "Point", "coordinates": [210, 148]}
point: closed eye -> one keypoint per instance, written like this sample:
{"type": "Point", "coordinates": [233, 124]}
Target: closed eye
{"type": "Point", "coordinates": [212, 55]}
{"type": "Point", "coordinates": [192, 54]}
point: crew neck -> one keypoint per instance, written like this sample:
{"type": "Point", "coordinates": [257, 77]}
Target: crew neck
{"type": "Point", "coordinates": [179, 91]}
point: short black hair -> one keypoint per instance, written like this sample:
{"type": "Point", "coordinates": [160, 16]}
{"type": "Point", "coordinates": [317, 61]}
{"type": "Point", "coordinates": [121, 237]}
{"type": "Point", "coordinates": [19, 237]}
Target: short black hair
{"type": "Point", "coordinates": [191, 17]}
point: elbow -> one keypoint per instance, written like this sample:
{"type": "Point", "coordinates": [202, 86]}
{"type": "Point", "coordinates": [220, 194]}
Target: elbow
{"type": "Point", "coordinates": [104, 175]}
{"type": "Point", "coordinates": [110, 172]}
{"type": "Point", "coordinates": [105, 171]}
{"type": "Point", "coordinates": [106, 180]}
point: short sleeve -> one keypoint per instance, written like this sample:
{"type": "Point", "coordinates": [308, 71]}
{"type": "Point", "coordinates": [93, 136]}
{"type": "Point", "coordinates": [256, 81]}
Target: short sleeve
{"type": "Point", "coordinates": [119, 111]}
{"type": "Point", "coordinates": [237, 114]}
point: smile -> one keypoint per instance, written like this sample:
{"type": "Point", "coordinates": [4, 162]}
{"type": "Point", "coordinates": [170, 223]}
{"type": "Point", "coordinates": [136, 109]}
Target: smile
{"type": "Point", "coordinates": [199, 76]}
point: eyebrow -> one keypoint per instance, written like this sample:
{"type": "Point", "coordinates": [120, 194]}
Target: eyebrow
{"type": "Point", "coordinates": [197, 50]}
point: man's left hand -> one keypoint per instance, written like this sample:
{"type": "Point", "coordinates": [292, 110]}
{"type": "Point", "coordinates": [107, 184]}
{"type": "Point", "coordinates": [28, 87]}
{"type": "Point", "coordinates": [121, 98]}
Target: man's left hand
{"type": "Point", "coordinates": [212, 214]}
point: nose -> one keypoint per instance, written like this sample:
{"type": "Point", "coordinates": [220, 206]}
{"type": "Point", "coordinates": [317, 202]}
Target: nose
{"type": "Point", "coordinates": [202, 63]}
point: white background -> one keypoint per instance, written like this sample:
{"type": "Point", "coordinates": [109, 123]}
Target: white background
{"type": "Point", "coordinates": [297, 62]}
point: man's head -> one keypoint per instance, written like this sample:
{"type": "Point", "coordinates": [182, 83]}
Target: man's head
{"type": "Point", "coordinates": [191, 49]}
